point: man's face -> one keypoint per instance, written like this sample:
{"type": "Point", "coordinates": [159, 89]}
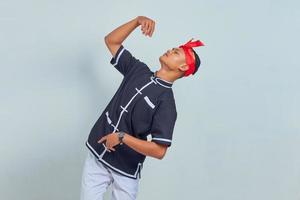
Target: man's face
{"type": "Point", "coordinates": [174, 59]}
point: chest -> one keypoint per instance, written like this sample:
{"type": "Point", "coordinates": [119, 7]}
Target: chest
{"type": "Point", "coordinates": [135, 104]}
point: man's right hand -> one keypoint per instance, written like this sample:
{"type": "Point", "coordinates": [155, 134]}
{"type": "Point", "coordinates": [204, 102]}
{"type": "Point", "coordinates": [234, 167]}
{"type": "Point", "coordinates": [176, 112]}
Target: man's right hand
{"type": "Point", "coordinates": [147, 25]}
{"type": "Point", "coordinates": [115, 38]}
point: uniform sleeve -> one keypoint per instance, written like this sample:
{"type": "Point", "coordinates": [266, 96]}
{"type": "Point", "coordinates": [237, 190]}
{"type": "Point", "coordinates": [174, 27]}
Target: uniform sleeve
{"type": "Point", "coordinates": [163, 122]}
{"type": "Point", "coordinates": [123, 61]}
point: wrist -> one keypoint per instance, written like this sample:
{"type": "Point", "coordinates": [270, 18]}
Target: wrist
{"type": "Point", "coordinates": [121, 136]}
{"type": "Point", "coordinates": [137, 20]}
{"type": "Point", "coordinates": [125, 137]}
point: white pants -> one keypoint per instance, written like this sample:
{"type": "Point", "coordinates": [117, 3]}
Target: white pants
{"type": "Point", "coordinates": [96, 178]}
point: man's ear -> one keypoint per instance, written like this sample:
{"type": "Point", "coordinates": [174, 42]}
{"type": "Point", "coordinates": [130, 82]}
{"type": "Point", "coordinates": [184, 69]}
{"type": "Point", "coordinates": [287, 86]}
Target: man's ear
{"type": "Point", "coordinates": [183, 67]}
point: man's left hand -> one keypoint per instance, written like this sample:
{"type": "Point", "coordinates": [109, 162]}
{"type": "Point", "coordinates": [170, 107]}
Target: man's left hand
{"type": "Point", "coordinates": [112, 140]}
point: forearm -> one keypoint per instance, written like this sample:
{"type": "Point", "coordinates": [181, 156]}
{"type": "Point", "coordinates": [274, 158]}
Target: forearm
{"type": "Point", "coordinates": [146, 148]}
{"type": "Point", "coordinates": [118, 35]}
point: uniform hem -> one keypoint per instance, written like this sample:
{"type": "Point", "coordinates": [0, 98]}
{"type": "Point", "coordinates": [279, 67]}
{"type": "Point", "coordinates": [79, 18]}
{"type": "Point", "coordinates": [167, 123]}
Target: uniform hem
{"type": "Point", "coordinates": [99, 157]}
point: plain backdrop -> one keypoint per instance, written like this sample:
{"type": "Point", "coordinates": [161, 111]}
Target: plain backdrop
{"type": "Point", "coordinates": [237, 131]}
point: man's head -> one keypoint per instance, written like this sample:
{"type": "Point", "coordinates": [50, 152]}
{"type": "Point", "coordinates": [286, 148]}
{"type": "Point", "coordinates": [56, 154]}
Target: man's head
{"type": "Point", "coordinates": [181, 61]}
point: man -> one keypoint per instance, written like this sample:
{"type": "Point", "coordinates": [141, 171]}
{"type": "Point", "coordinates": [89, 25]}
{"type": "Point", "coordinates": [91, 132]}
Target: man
{"type": "Point", "coordinates": [143, 106]}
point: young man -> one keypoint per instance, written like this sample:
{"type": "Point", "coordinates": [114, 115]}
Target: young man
{"type": "Point", "coordinates": [143, 106]}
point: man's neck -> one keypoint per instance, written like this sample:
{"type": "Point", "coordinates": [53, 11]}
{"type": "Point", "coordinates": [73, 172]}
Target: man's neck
{"type": "Point", "coordinates": [164, 75]}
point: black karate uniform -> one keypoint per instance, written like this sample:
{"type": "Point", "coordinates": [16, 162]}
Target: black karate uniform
{"type": "Point", "coordinates": [143, 105]}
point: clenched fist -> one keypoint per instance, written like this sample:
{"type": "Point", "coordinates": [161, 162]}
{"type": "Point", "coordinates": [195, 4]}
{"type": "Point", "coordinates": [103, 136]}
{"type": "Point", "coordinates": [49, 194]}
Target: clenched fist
{"type": "Point", "coordinates": [147, 25]}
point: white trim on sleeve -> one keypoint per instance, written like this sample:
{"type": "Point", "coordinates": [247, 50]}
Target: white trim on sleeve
{"type": "Point", "coordinates": [162, 139]}
{"type": "Point", "coordinates": [118, 57]}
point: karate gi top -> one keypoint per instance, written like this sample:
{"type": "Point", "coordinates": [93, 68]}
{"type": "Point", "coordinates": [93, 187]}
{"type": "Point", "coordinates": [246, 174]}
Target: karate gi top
{"type": "Point", "coordinates": [143, 105]}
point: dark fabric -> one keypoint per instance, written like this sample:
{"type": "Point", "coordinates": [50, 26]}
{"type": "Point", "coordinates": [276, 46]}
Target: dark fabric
{"type": "Point", "coordinates": [143, 105]}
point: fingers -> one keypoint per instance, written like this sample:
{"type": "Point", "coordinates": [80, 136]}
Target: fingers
{"type": "Point", "coordinates": [152, 28]}
{"type": "Point", "coordinates": [147, 27]}
{"type": "Point", "coordinates": [143, 28]}
{"type": "Point", "coordinates": [148, 24]}
{"type": "Point", "coordinates": [102, 139]}
{"type": "Point", "coordinates": [109, 146]}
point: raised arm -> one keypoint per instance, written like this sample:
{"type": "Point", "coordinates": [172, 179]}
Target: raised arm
{"type": "Point", "coordinates": [115, 38]}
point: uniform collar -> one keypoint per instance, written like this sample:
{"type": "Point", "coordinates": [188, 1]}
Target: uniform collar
{"type": "Point", "coordinates": [161, 81]}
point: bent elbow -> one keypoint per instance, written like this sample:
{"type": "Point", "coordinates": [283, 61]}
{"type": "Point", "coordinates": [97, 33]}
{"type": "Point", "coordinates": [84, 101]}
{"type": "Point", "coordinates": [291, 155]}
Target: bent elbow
{"type": "Point", "coordinates": [161, 155]}
{"type": "Point", "coordinates": [110, 42]}
{"type": "Point", "coordinates": [106, 39]}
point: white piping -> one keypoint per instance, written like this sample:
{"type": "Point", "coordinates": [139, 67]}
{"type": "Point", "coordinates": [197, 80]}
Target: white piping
{"type": "Point", "coordinates": [163, 85]}
{"type": "Point", "coordinates": [107, 117]}
{"type": "Point", "coordinates": [100, 158]}
{"type": "Point", "coordinates": [117, 60]}
{"type": "Point", "coordinates": [164, 80]}
{"type": "Point", "coordinates": [155, 80]}
{"type": "Point", "coordinates": [152, 78]}
{"type": "Point", "coordinates": [149, 102]}
{"type": "Point", "coordinates": [130, 102]}
{"type": "Point", "coordinates": [109, 120]}
{"type": "Point", "coordinates": [138, 91]}
{"type": "Point", "coordinates": [124, 109]}
{"type": "Point", "coordinates": [162, 139]}
{"type": "Point", "coordinates": [115, 127]}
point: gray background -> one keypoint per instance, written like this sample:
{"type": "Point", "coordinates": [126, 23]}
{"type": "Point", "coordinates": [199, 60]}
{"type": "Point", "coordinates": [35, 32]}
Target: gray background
{"type": "Point", "coordinates": [237, 132]}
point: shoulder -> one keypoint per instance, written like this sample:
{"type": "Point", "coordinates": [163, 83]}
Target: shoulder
{"type": "Point", "coordinates": [128, 64]}
{"type": "Point", "coordinates": [167, 99]}
{"type": "Point", "coordinates": [167, 95]}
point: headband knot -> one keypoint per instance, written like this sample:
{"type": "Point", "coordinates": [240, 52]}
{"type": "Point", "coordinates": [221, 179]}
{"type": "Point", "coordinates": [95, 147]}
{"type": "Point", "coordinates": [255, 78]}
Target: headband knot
{"type": "Point", "coordinates": [187, 47]}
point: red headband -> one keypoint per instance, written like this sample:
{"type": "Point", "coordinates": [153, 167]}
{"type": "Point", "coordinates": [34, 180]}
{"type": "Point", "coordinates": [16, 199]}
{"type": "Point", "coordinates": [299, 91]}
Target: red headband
{"type": "Point", "coordinates": [187, 47]}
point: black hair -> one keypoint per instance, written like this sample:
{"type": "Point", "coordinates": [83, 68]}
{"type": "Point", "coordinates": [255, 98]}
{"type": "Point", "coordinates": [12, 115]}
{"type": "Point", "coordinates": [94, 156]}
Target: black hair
{"type": "Point", "coordinates": [197, 62]}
